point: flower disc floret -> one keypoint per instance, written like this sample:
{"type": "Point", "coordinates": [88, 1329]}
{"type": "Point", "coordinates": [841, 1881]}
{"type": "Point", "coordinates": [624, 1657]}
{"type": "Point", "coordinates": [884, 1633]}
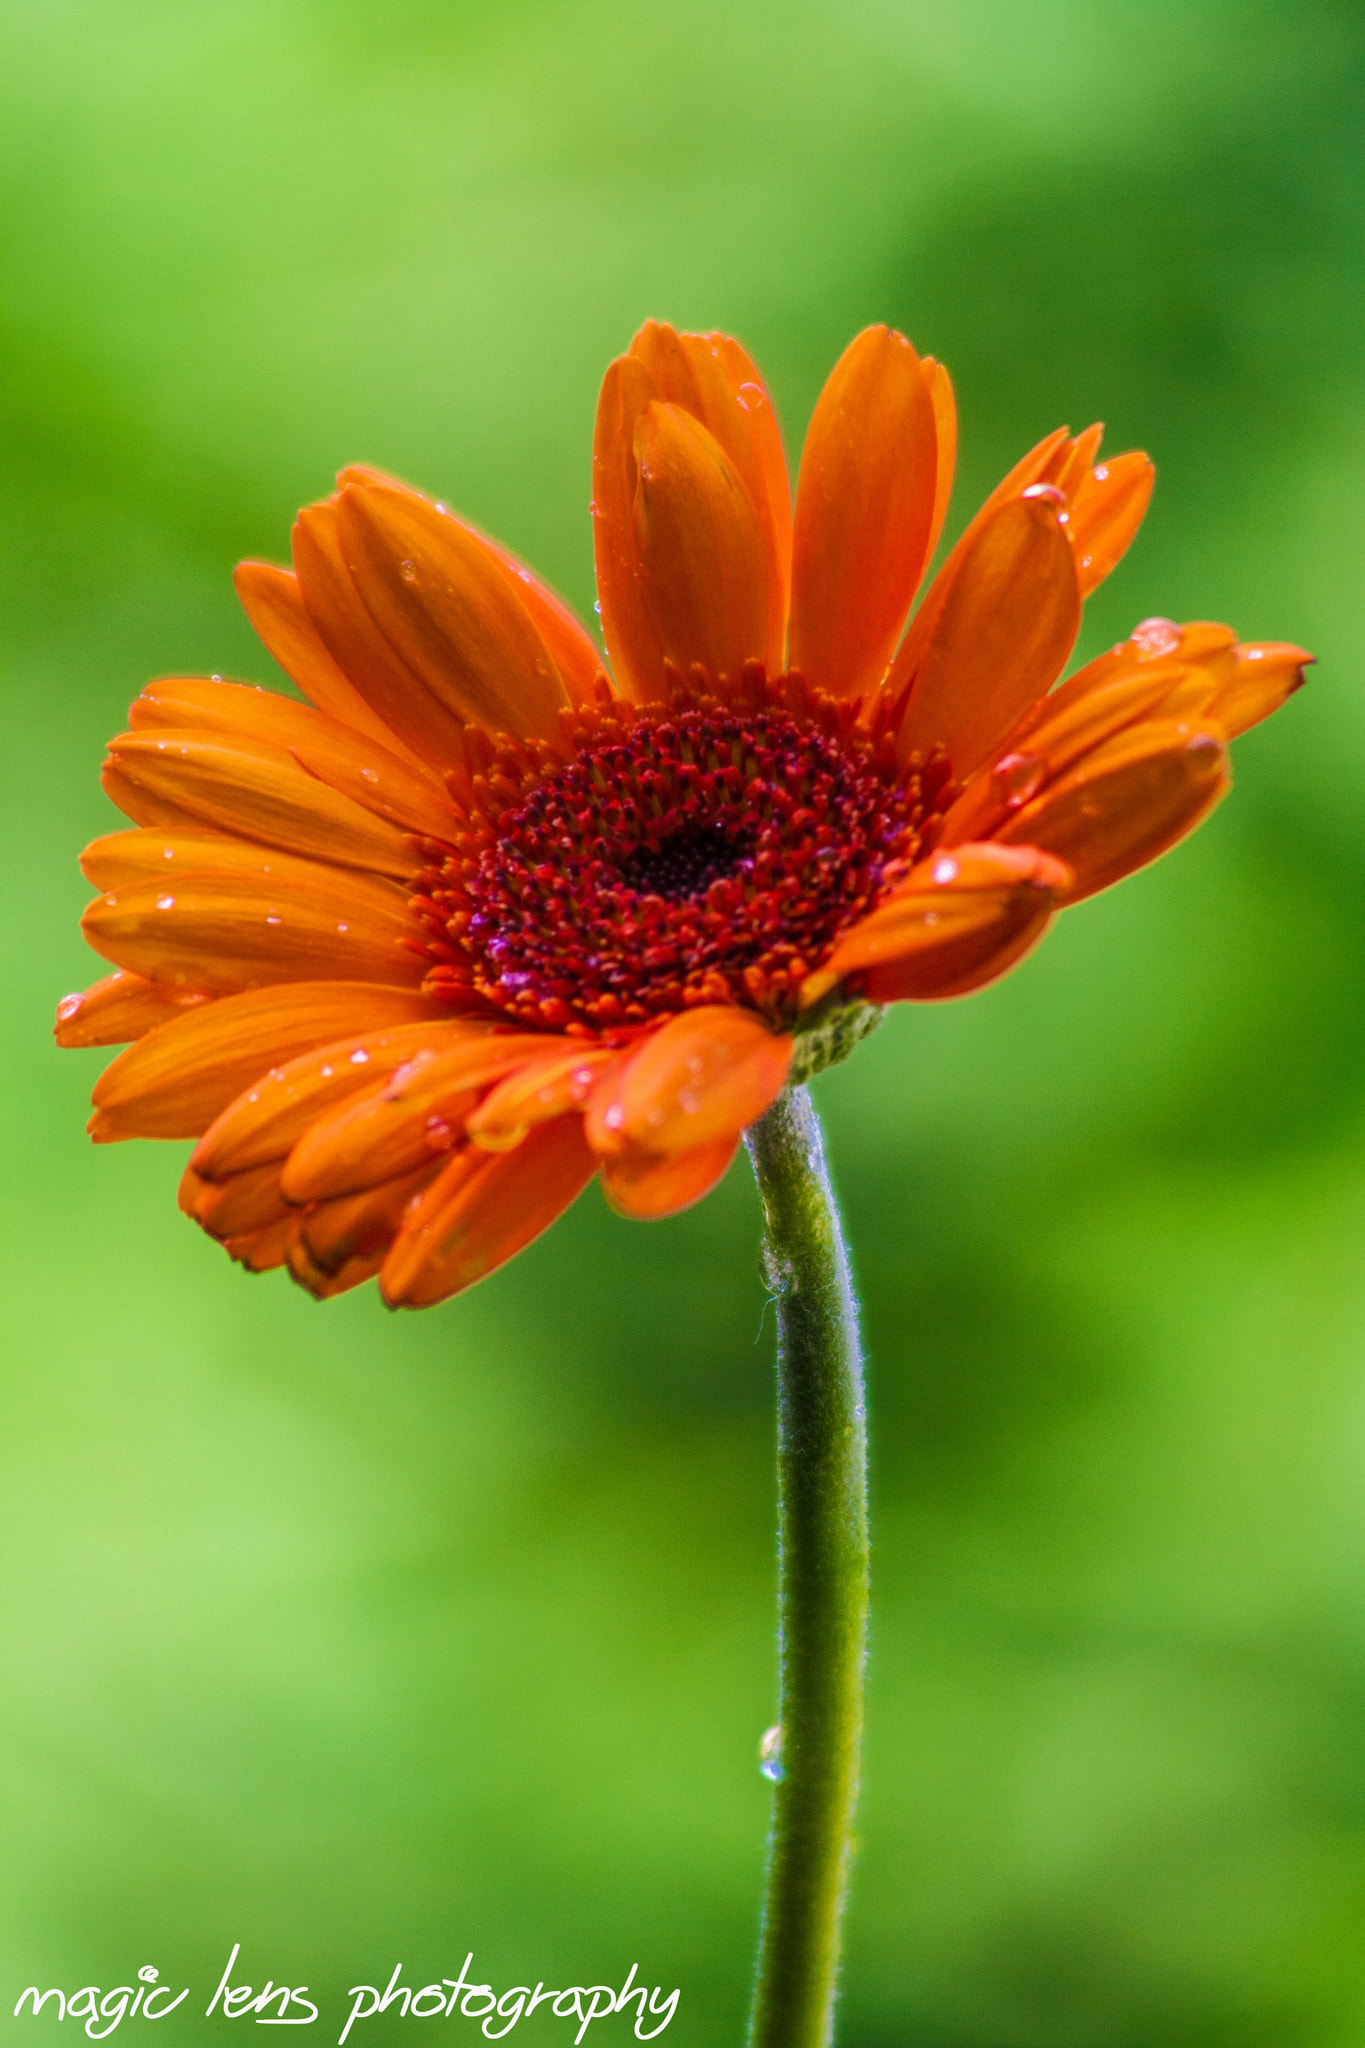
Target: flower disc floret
{"type": "Point", "coordinates": [701, 856]}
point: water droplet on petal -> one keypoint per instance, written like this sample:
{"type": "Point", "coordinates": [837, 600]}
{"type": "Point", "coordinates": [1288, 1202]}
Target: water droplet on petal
{"type": "Point", "coordinates": [273, 917]}
{"type": "Point", "coordinates": [1154, 638]}
{"type": "Point", "coordinates": [945, 869]}
{"type": "Point", "coordinates": [359, 1059]}
{"type": "Point", "coordinates": [770, 1754]}
{"type": "Point", "coordinates": [165, 903]}
{"type": "Point", "coordinates": [1017, 777]}
{"type": "Point", "coordinates": [408, 571]}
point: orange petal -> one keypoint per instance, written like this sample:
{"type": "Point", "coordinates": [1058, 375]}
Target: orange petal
{"type": "Point", "coordinates": [1157, 649]}
{"type": "Point", "coordinates": [702, 551]}
{"type": "Point", "coordinates": [1266, 673]}
{"type": "Point", "coordinates": [865, 504]}
{"type": "Point", "coordinates": [572, 649]}
{"type": "Point", "coordinates": [264, 1251]}
{"type": "Point", "coordinates": [141, 855]}
{"type": "Point", "coordinates": [702, 1077]}
{"type": "Point", "coordinates": [483, 1210]}
{"type": "Point", "coordinates": [273, 601]}
{"type": "Point", "coordinates": [177, 1079]}
{"type": "Point", "coordinates": [647, 1187]}
{"type": "Point", "coordinates": [405, 1120]}
{"type": "Point", "coordinates": [326, 1286]}
{"type": "Point", "coordinates": [1107, 507]}
{"type": "Point", "coordinates": [449, 608]}
{"type": "Point", "coordinates": [262, 793]}
{"type": "Point", "coordinates": [632, 638]}
{"type": "Point", "coordinates": [267, 1120]}
{"type": "Point", "coordinates": [393, 786]}
{"type": "Point", "coordinates": [945, 443]}
{"type": "Point", "coordinates": [1004, 633]}
{"type": "Point", "coordinates": [538, 1091]}
{"type": "Point", "coordinates": [243, 1203]}
{"type": "Point", "coordinates": [145, 854]}
{"type": "Point", "coordinates": [143, 807]}
{"type": "Point", "coordinates": [423, 722]}
{"type": "Point", "coordinates": [290, 921]}
{"type": "Point", "coordinates": [1072, 461]}
{"type": "Point", "coordinates": [959, 919]}
{"type": "Point", "coordinates": [355, 1227]}
{"type": "Point", "coordinates": [711, 377]}
{"type": "Point", "coordinates": [1066, 727]}
{"type": "Point", "coordinates": [1125, 803]}
{"type": "Point", "coordinates": [118, 1008]}
{"type": "Point", "coordinates": [1030, 470]}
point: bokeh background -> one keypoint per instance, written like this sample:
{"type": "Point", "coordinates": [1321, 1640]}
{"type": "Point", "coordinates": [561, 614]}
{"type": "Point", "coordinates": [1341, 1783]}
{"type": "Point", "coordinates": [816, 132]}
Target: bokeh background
{"type": "Point", "coordinates": [362, 1639]}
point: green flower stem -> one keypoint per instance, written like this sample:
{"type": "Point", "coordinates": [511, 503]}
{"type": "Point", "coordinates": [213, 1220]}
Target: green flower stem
{"type": "Point", "coordinates": [822, 1577]}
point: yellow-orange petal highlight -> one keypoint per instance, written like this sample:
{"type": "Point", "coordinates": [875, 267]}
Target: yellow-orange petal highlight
{"type": "Point", "coordinates": [413, 960]}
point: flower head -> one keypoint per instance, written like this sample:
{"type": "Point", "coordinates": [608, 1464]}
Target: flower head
{"type": "Point", "coordinates": [488, 914]}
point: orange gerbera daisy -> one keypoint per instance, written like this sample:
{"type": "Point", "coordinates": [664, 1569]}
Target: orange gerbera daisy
{"type": "Point", "coordinates": [414, 960]}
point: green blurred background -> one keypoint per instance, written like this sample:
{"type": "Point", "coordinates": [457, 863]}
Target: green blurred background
{"type": "Point", "coordinates": [360, 1639]}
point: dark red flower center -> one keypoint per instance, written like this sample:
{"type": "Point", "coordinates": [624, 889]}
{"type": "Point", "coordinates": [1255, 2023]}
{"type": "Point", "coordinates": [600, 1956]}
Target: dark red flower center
{"type": "Point", "coordinates": [697, 856]}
